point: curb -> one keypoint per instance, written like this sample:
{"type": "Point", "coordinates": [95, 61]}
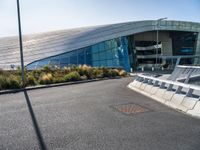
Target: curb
{"type": "Point", "coordinates": [52, 85]}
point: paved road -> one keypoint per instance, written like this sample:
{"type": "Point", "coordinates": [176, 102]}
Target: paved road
{"type": "Point", "coordinates": [81, 117]}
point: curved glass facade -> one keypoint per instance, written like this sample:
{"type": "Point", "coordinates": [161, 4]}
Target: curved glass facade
{"type": "Point", "coordinates": [111, 53]}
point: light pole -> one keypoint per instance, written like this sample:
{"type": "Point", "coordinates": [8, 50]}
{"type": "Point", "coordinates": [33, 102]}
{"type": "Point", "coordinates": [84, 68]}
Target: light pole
{"type": "Point", "coordinates": [20, 43]}
{"type": "Point", "coordinates": [157, 32]}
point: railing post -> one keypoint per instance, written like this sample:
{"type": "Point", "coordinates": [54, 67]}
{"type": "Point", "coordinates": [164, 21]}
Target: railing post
{"type": "Point", "coordinates": [150, 81]}
{"type": "Point", "coordinates": [162, 86]}
{"type": "Point", "coordinates": [189, 93]}
{"type": "Point", "coordinates": [178, 90]}
{"type": "Point", "coordinates": [170, 87]}
{"type": "Point", "coordinates": [156, 83]}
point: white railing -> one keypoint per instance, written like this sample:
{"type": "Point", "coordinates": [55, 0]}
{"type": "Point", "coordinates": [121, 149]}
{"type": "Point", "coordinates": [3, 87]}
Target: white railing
{"type": "Point", "coordinates": [184, 72]}
{"type": "Point", "coordinates": [175, 86]}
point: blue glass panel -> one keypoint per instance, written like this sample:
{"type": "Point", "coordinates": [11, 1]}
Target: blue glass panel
{"type": "Point", "coordinates": [73, 58]}
{"type": "Point", "coordinates": [42, 63]}
{"type": "Point", "coordinates": [113, 43]}
{"type": "Point", "coordinates": [64, 55]}
{"type": "Point", "coordinates": [186, 50]}
{"type": "Point", "coordinates": [124, 48]}
{"type": "Point", "coordinates": [115, 53]}
{"type": "Point", "coordinates": [88, 50]}
{"type": "Point", "coordinates": [89, 59]}
{"type": "Point", "coordinates": [64, 61]}
{"type": "Point", "coordinates": [96, 64]}
{"type": "Point", "coordinates": [107, 45]}
{"type": "Point", "coordinates": [32, 66]}
{"type": "Point", "coordinates": [95, 56]}
{"type": "Point", "coordinates": [109, 63]}
{"type": "Point", "coordinates": [103, 63]}
{"type": "Point", "coordinates": [95, 48]}
{"type": "Point", "coordinates": [54, 62]}
{"type": "Point", "coordinates": [115, 63]}
{"type": "Point", "coordinates": [101, 46]}
{"type": "Point", "coordinates": [102, 55]}
{"type": "Point", "coordinates": [81, 56]}
{"type": "Point", "coordinates": [109, 54]}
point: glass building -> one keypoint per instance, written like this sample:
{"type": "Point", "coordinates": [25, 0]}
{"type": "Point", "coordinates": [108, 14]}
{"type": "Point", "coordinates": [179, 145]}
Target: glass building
{"type": "Point", "coordinates": [131, 45]}
{"type": "Point", "coordinates": [112, 53]}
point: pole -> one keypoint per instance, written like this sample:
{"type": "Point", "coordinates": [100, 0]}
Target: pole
{"type": "Point", "coordinates": [157, 34]}
{"type": "Point", "coordinates": [20, 43]}
{"type": "Point", "coordinates": [157, 45]}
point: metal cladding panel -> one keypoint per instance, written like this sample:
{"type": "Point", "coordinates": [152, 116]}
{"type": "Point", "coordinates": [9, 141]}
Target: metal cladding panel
{"type": "Point", "coordinates": [39, 46]}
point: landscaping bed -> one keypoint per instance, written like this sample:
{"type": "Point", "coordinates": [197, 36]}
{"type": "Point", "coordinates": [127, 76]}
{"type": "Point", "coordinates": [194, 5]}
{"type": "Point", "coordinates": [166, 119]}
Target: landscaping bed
{"type": "Point", "coordinates": [49, 75]}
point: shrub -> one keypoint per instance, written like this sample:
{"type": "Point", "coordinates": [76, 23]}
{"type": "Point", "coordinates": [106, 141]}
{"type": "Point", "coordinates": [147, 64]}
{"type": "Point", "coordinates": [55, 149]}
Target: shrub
{"type": "Point", "coordinates": [89, 73]}
{"type": "Point", "coordinates": [47, 75]}
{"type": "Point", "coordinates": [4, 73]}
{"type": "Point", "coordinates": [36, 74]}
{"type": "Point", "coordinates": [3, 82]}
{"type": "Point", "coordinates": [99, 73]}
{"type": "Point", "coordinates": [122, 73]}
{"type": "Point", "coordinates": [106, 72]}
{"type": "Point", "coordinates": [84, 77]}
{"type": "Point", "coordinates": [112, 73]}
{"type": "Point", "coordinates": [58, 80]}
{"type": "Point", "coordinates": [117, 71]}
{"type": "Point", "coordinates": [85, 70]}
{"type": "Point", "coordinates": [72, 76]}
{"type": "Point", "coordinates": [46, 79]}
{"type": "Point", "coordinates": [67, 70]}
{"type": "Point", "coordinates": [1, 72]}
{"type": "Point", "coordinates": [80, 70]}
{"type": "Point", "coordinates": [14, 82]}
{"type": "Point", "coordinates": [30, 80]}
{"type": "Point", "coordinates": [46, 69]}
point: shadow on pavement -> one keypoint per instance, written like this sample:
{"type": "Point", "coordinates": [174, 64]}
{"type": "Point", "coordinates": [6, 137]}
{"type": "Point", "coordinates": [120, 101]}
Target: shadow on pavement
{"type": "Point", "coordinates": [35, 124]}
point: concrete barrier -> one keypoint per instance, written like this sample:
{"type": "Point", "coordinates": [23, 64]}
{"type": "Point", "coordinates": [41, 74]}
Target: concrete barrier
{"type": "Point", "coordinates": [174, 94]}
{"type": "Point", "coordinates": [159, 95]}
{"type": "Point", "coordinates": [148, 88]}
{"type": "Point", "coordinates": [168, 95]}
{"type": "Point", "coordinates": [188, 103]}
{"type": "Point", "coordinates": [134, 83]}
{"type": "Point", "coordinates": [143, 85]}
{"type": "Point", "coordinates": [176, 100]}
{"type": "Point", "coordinates": [154, 89]}
{"type": "Point", "coordinates": [138, 84]}
{"type": "Point", "coordinates": [196, 110]}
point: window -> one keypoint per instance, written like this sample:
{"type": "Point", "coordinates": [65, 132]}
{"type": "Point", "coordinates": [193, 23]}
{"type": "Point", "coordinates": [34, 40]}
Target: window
{"type": "Point", "coordinates": [95, 48]}
{"type": "Point", "coordinates": [101, 46]}
{"type": "Point", "coordinates": [95, 56]}
{"type": "Point", "coordinates": [102, 55]}
{"type": "Point", "coordinates": [73, 58]}
{"type": "Point", "coordinates": [42, 63]}
{"type": "Point", "coordinates": [54, 62]}
{"type": "Point", "coordinates": [64, 62]}
{"type": "Point", "coordinates": [81, 56]}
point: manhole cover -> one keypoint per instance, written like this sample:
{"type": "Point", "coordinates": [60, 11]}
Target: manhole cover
{"type": "Point", "coordinates": [130, 108]}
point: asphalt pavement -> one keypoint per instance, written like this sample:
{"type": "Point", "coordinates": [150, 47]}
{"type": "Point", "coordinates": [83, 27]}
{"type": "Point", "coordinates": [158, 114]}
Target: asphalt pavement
{"type": "Point", "coordinates": [85, 117]}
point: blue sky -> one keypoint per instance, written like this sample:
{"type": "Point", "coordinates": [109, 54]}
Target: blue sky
{"type": "Point", "coordinates": [46, 15]}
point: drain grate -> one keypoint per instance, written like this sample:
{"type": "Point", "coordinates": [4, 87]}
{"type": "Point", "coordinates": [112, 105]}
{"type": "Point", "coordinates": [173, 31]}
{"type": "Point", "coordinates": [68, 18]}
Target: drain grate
{"type": "Point", "coordinates": [130, 108]}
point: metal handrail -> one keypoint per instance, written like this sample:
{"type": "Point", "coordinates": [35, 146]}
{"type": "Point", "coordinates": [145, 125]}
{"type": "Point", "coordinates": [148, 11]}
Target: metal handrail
{"type": "Point", "coordinates": [179, 84]}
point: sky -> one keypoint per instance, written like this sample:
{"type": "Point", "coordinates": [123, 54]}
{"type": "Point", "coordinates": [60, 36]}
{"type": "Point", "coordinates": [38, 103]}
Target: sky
{"type": "Point", "coordinates": [48, 15]}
